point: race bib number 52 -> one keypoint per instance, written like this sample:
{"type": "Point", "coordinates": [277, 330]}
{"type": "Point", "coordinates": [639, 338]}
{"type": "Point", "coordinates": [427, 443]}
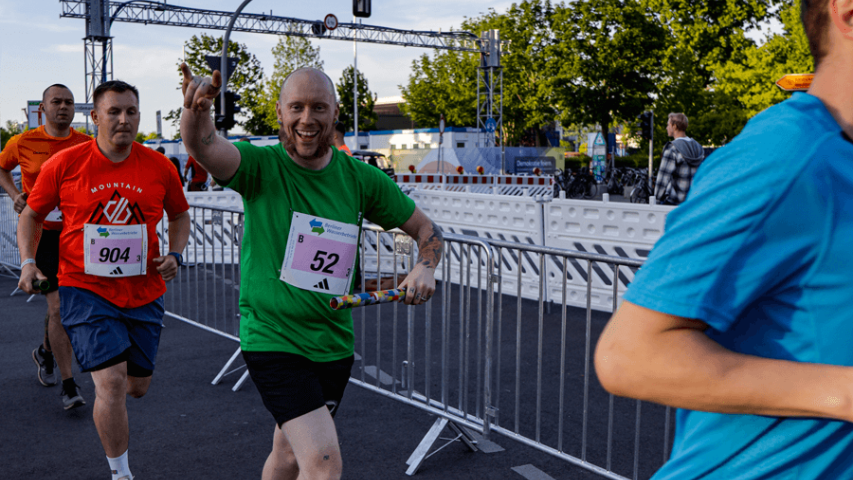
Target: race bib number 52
{"type": "Point", "coordinates": [115, 251]}
{"type": "Point", "coordinates": [320, 254]}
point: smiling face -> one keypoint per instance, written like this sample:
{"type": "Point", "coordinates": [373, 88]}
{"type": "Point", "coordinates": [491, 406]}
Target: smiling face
{"type": "Point", "coordinates": [117, 117]}
{"type": "Point", "coordinates": [58, 107]}
{"type": "Point", "coordinates": [307, 111]}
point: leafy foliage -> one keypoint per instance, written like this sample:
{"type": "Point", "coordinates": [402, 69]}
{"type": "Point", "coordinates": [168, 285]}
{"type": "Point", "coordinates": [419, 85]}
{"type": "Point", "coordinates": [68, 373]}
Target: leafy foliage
{"type": "Point", "coordinates": [604, 63]}
{"type": "Point", "coordinates": [10, 130]}
{"type": "Point", "coordinates": [367, 118]}
{"type": "Point", "coordinates": [290, 53]}
{"type": "Point", "coordinates": [247, 80]}
{"type": "Point", "coordinates": [446, 83]}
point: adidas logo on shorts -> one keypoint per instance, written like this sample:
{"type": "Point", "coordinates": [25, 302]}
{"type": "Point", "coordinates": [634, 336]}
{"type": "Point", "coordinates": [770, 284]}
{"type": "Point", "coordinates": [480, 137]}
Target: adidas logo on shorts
{"type": "Point", "coordinates": [324, 285]}
{"type": "Point", "coordinates": [117, 271]}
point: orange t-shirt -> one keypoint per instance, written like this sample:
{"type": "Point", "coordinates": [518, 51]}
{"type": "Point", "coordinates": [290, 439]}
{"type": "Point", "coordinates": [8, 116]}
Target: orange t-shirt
{"type": "Point", "coordinates": [30, 150]}
{"type": "Point", "coordinates": [91, 189]}
{"type": "Point", "coordinates": [345, 148]}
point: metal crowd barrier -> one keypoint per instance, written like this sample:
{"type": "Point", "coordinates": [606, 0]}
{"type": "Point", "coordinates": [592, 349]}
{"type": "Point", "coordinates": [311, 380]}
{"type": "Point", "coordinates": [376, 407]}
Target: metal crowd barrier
{"type": "Point", "coordinates": [206, 291]}
{"type": "Point", "coordinates": [10, 258]}
{"type": "Point", "coordinates": [483, 360]}
{"type": "Point", "coordinates": [614, 437]}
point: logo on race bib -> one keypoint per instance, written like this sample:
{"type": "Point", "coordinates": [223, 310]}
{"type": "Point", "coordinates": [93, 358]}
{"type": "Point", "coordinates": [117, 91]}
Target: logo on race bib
{"type": "Point", "coordinates": [117, 211]}
{"type": "Point", "coordinates": [103, 232]}
{"type": "Point", "coordinates": [323, 285]}
{"type": "Point", "coordinates": [117, 271]}
{"type": "Point", "coordinates": [316, 226]}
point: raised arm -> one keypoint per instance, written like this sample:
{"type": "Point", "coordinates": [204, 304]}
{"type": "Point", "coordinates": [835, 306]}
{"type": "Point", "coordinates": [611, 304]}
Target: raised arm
{"type": "Point", "coordinates": [661, 358]}
{"type": "Point", "coordinates": [420, 283]}
{"type": "Point", "coordinates": [213, 152]}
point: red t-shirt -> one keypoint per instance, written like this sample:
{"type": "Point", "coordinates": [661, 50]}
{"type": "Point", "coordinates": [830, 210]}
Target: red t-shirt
{"type": "Point", "coordinates": [91, 189]}
{"type": "Point", "coordinates": [199, 173]}
{"type": "Point", "coordinates": [30, 150]}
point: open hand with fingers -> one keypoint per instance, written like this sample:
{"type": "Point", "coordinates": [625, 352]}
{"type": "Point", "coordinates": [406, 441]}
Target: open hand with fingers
{"type": "Point", "coordinates": [199, 92]}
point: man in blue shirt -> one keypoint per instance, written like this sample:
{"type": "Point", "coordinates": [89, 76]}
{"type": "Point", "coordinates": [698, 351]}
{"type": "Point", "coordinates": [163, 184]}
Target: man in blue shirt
{"type": "Point", "coordinates": [740, 317]}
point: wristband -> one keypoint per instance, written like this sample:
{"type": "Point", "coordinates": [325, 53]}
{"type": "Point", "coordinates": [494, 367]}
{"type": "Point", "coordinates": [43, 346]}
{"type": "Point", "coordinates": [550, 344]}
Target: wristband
{"type": "Point", "coordinates": [27, 262]}
{"type": "Point", "coordinates": [178, 257]}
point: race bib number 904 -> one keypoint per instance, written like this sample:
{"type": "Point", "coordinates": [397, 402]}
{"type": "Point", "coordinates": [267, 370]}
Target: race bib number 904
{"type": "Point", "coordinates": [320, 254]}
{"type": "Point", "coordinates": [115, 251]}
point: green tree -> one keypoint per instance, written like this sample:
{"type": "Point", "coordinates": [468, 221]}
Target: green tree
{"type": "Point", "coordinates": [247, 80]}
{"type": "Point", "coordinates": [752, 79]}
{"type": "Point", "coordinates": [446, 83]}
{"type": "Point", "coordinates": [702, 35]}
{"type": "Point", "coordinates": [10, 130]}
{"type": "Point", "coordinates": [367, 118]}
{"type": "Point", "coordinates": [603, 65]}
{"type": "Point", "coordinates": [291, 53]}
{"type": "Point", "coordinates": [142, 137]}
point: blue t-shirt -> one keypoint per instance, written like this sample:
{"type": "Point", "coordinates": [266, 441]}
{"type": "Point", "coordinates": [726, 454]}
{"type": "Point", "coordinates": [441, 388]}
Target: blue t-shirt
{"type": "Point", "coordinates": [760, 251]}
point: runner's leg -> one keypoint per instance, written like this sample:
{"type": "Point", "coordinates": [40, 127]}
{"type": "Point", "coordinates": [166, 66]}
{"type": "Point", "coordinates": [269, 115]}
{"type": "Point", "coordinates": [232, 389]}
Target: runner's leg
{"type": "Point", "coordinates": [58, 339]}
{"type": "Point", "coordinates": [314, 441]}
{"type": "Point", "coordinates": [110, 411]}
{"type": "Point", "coordinates": [137, 387]}
{"type": "Point", "coordinates": [281, 463]}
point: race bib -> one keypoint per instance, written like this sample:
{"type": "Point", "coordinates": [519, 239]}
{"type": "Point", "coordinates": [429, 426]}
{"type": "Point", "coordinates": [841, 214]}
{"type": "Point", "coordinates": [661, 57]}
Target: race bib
{"type": "Point", "coordinates": [54, 216]}
{"type": "Point", "coordinates": [115, 251]}
{"type": "Point", "coordinates": [320, 254]}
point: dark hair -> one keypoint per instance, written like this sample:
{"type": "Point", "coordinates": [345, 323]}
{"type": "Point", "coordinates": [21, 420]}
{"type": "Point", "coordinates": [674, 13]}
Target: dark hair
{"type": "Point", "coordinates": [340, 128]}
{"type": "Point", "coordinates": [815, 17]}
{"type": "Point", "coordinates": [161, 150]}
{"type": "Point", "coordinates": [58, 85]}
{"type": "Point", "coordinates": [113, 86]}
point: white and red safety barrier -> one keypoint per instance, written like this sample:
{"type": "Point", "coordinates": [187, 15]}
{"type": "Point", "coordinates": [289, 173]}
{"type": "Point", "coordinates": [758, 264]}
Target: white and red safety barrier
{"type": "Point", "coordinates": [513, 180]}
{"type": "Point", "coordinates": [516, 180]}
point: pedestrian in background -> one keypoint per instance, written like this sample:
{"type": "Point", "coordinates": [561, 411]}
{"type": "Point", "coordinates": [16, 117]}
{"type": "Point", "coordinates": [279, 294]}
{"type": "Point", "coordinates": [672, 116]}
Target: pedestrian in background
{"type": "Point", "coordinates": [681, 157]}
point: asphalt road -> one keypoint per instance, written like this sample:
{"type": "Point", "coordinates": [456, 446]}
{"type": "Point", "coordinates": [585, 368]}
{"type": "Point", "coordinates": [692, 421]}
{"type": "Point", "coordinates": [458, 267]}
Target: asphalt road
{"type": "Point", "coordinates": [186, 428]}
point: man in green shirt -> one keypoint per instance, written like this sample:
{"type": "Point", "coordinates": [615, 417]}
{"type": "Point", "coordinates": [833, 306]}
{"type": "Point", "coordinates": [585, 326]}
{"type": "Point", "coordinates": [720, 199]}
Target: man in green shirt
{"type": "Point", "coordinates": [304, 203]}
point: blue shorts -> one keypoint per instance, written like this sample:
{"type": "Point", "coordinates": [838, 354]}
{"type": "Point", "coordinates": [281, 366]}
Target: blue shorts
{"type": "Point", "coordinates": [103, 334]}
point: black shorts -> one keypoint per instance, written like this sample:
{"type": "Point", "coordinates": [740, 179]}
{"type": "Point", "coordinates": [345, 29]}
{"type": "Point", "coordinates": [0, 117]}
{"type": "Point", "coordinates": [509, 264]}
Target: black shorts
{"type": "Point", "coordinates": [47, 258]}
{"type": "Point", "coordinates": [291, 385]}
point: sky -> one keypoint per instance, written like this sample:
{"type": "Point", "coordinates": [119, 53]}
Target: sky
{"type": "Point", "coordinates": [38, 48]}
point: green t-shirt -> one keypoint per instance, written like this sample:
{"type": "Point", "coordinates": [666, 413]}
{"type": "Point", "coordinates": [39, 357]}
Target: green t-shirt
{"type": "Point", "coordinates": [276, 316]}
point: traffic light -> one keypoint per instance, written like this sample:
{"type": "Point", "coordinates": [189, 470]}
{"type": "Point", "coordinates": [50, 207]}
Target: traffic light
{"type": "Point", "coordinates": [361, 8]}
{"type": "Point", "coordinates": [647, 125]}
{"type": "Point", "coordinates": [224, 119]}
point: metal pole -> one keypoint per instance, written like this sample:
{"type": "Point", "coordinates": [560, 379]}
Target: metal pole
{"type": "Point", "coordinates": [651, 153]}
{"type": "Point", "coordinates": [223, 66]}
{"type": "Point", "coordinates": [355, 85]}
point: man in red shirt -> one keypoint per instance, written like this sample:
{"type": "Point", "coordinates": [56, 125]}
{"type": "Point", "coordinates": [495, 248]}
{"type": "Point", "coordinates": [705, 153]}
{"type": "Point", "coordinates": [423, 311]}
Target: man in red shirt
{"type": "Point", "coordinates": [30, 150]}
{"type": "Point", "coordinates": [113, 192]}
{"type": "Point", "coordinates": [199, 175]}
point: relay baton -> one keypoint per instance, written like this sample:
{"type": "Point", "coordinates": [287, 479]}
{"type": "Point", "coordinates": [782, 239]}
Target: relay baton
{"type": "Point", "coordinates": [41, 285]}
{"type": "Point", "coordinates": [367, 298]}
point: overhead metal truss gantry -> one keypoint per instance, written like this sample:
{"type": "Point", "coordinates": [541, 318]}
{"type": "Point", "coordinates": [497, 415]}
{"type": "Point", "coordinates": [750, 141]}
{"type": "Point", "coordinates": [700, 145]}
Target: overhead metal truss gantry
{"type": "Point", "coordinates": [100, 14]}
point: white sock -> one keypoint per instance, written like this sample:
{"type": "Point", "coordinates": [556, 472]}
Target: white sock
{"type": "Point", "coordinates": [119, 467]}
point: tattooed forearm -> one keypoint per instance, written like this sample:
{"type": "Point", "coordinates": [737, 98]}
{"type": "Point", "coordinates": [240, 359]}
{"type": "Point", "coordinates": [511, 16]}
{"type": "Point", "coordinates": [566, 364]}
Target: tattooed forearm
{"type": "Point", "coordinates": [430, 246]}
{"type": "Point", "coordinates": [207, 140]}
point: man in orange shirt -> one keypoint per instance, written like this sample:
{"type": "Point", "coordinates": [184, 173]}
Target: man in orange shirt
{"type": "Point", "coordinates": [112, 277]}
{"type": "Point", "coordinates": [30, 150]}
{"type": "Point", "coordinates": [339, 139]}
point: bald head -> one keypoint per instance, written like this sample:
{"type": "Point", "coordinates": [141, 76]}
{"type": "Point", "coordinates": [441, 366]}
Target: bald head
{"type": "Point", "coordinates": [304, 76]}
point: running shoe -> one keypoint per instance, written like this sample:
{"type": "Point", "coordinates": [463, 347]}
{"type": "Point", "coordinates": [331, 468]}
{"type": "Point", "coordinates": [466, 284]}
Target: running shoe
{"type": "Point", "coordinates": [72, 399]}
{"type": "Point", "coordinates": [47, 367]}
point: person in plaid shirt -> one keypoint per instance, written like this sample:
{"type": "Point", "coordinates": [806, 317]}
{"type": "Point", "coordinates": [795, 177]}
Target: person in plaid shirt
{"type": "Point", "coordinates": [681, 157]}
